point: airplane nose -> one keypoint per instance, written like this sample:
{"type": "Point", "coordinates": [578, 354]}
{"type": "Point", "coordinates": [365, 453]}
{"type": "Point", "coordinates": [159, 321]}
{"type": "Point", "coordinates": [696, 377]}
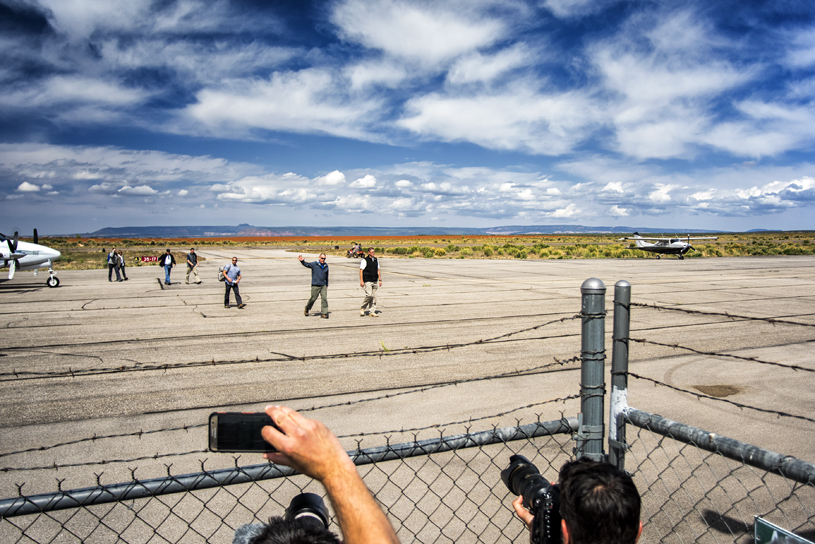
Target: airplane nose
{"type": "Point", "coordinates": [54, 254]}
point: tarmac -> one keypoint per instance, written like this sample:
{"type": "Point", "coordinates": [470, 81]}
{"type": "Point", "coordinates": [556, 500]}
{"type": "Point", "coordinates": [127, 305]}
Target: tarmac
{"type": "Point", "coordinates": [94, 358]}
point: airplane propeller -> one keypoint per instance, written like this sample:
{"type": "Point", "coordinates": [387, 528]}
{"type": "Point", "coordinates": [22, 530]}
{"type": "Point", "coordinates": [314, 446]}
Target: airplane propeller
{"type": "Point", "coordinates": [13, 263]}
{"type": "Point", "coordinates": [36, 237]}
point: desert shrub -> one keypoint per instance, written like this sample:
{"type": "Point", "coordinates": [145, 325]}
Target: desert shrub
{"type": "Point", "coordinates": [487, 251]}
{"type": "Point", "coordinates": [440, 252]}
{"type": "Point", "coordinates": [414, 249]}
{"type": "Point", "coordinates": [499, 251]}
{"type": "Point", "coordinates": [428, 254]}
{"type": "Point", "coordinates": [544, 253]}
{"type": "Point", "coordinates": [466, 251]}
{"type": "Point", "coordinates": [452, 248]}
{"type": "Point", "coordinates": [520, 254]}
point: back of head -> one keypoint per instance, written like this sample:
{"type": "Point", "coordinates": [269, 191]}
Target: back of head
{"type": "Point", "coordinates": [599, 503]}
{"type": "Point", "coordinates": [290, 531]}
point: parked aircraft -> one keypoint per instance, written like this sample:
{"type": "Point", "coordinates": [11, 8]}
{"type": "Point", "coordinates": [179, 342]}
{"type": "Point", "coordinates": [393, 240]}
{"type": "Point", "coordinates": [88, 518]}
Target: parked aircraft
{"type": "Point", "coordinates": [18, 255]}
{"type": "Point", "coordinates": [666, 246]}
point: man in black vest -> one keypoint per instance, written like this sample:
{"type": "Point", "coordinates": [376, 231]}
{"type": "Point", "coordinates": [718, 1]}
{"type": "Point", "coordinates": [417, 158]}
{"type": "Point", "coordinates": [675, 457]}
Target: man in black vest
{"type": "Point", "coordinates": [370, 279]}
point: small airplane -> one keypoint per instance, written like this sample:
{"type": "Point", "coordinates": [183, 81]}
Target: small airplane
{"type": "Point", "coordinates": [666, 246]}
{"type": "Point", "coordinates": [18, 255]}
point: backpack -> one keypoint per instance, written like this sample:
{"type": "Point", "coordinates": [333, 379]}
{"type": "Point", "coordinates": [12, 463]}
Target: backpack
{"type": "Point", "coordinates": [221, 275]}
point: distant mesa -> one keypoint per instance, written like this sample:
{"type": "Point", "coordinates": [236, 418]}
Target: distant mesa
{"type": "Point", "coordinates": [250, 231]}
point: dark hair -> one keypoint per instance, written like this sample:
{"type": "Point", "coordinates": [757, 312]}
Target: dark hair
{"type": "Point", "coordinates": [284, 531]}
{"type": "Point", "coordinates": [599, 503]}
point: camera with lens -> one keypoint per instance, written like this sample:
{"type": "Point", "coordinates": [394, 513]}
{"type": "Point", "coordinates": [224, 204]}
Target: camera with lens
{"type": "Point", "coordinates": [308, 509]}
{"type": "Point", "coordinates": [541, 498]}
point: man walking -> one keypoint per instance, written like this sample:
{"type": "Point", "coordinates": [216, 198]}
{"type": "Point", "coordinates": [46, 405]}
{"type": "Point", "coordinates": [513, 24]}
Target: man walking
{"type": "Point", "coordinates": [168, 262]}
{"type": "Point", "coordinates": [113, 261]}
{"type": "Point", "coordinates": [370, 279]}
{"type": "Point", "coordinates": [232, 277]}
{"type": "Point", "coordinates": [192, 266]}
{"type": "Point", "coordinates": [319, 284]}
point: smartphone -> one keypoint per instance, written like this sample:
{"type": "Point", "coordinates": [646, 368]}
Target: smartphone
{"type": "Point", "coordinates": [238, 432]}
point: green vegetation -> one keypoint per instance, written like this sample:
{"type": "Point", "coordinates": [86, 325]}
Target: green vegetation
{"type": "Point", "coordinates": [84, 253]}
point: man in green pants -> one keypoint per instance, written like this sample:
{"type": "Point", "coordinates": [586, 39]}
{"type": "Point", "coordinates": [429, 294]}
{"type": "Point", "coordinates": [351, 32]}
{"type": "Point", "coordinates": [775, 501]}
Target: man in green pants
{"type": "Point", "coordinates": [319, 284]}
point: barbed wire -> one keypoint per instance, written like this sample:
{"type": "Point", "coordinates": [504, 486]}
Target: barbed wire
{"type": "Point", "coordinates": [709, 397]}
{"type": "Point", "coordinates": [772, 320]}
{"type": "Point", "coordinates": [27, 375]}
{"type": "Point", "coordinates": [56, 466]}
{"type": "Point", "coordinates": [716, 354]}
{"type": "Point", "coordinates": [421, 389]}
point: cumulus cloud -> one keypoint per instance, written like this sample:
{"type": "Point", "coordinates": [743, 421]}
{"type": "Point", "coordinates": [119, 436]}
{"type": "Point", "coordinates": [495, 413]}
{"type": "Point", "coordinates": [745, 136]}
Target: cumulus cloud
{"type": "Point", "coordinates": [365, 182]}
{"type": "Point", "coordinates": [26, 187]}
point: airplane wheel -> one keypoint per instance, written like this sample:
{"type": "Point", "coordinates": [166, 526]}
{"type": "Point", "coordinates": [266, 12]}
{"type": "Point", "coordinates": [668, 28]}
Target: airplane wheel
{"type": "Point", "coordinates": [681, 257]}
{"type": "Point", "coordinates": [659, 256]}
{"type": "Point", "coordinates": [53, 281]}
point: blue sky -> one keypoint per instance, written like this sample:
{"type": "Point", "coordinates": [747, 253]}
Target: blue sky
{"type": "Point", "coordinates": [468, 113]}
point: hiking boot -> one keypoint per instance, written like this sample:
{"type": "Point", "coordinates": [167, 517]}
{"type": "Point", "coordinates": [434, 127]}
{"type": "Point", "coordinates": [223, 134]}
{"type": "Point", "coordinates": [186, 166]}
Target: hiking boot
{"type": "Point", "coordinates": [305, 312]}
{"type": "Point", "coordinates": [226, 305]}
{"type": "Point", "coordinates": [373, 314]}
{"type": "Point", "coordinates": [362, 313]}
{"type": "Point", "coordinates": [241, 306]}
{"type": "Point", "coordinates": [324, 316]}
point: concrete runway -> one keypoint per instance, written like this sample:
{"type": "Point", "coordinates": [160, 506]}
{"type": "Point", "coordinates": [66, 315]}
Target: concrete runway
{"type": "Point", "coordinates": [95, 359]}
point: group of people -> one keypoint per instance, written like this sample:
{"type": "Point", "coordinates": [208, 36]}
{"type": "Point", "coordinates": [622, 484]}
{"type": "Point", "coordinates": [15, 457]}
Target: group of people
{"type": "Point", "coordinates": [370, 279]}
{"type": "Point", "coordinates": [167, 261]}
{"type": "Point", "coordinates": [599, 503]}
{"type": "Point", "coordinates": [116, 263]}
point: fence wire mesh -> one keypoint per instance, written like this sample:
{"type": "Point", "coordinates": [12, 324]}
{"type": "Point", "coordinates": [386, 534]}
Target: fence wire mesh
{"type": "Point", "coordinates": [437, 490]}
{"type": "Point", "coordinates": [693, 495]}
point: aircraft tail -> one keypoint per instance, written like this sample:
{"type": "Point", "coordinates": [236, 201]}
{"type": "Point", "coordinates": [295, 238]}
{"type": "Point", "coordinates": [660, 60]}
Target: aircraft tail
{"type": "Point", "coordinates": [638, 240]}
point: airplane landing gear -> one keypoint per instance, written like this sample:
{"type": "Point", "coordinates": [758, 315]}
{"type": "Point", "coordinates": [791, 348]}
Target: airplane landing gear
{"type": "Point", "coordinates": [681, 257]}
{"type": "Point", "coordinates": [659, 256]}
{"type": "Point", "coordinates": [53, 280]}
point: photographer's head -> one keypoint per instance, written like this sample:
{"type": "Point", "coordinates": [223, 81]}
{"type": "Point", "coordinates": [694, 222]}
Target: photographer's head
{"type": "Point", "coordinates": [599, 504]}
{"type": "Point", "coordinates": [284, 531]}
{"type": "Point", "coordinates": [306, 522]}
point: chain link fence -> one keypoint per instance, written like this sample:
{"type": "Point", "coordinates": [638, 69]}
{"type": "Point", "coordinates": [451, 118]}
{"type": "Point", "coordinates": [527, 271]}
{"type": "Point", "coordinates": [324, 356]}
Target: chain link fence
{"type": "Point", "coordinates": [438, 490]}
{"type": "Point", "coordinates": [692, 494]}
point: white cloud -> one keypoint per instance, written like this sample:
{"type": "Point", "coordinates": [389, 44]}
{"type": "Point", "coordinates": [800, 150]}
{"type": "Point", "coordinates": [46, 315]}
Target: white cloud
{"type": "Point", "coordinates": [662, 193]}
{"type": "Point", "coordinates": [334, 178]}
{"type": "Point", "coordinates": [310, 100]}
{"type": "Point", "coordinates": [427, 33]}
{"type": "Point", "coordinates": [614, 186]}
{"type": "Point", "coordinates": [479, 67]}
{"type": "Point", "coordinates": [520, 119]}
{"type": "Point", "coordinates": [616, 211]}
{"type": "Point", "coordinates": [365, 182]}
{"type": "Point", "coordinates": [569, 211]}
{"type": "Point", "coordinates": [141, 190]}
{"type": "Point", "coordinates": [183, 192]}
{"type": "Point", "coordinates": [403, 184]}
{"type": "Point", "coordinates": [26, 187]}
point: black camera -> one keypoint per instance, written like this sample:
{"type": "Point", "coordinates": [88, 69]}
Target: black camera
{"type": "Point", "coordinates": [308, 509]}
{"type": "Point", "coordinates": [541, 498]}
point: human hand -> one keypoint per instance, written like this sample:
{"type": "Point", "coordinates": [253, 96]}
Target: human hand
{"type": "Point", "coordinates": [305, 445]}
{"type": "Point", "coordinates": [525, 515]}
{"type": "Point", "coordinates": [300, 257]}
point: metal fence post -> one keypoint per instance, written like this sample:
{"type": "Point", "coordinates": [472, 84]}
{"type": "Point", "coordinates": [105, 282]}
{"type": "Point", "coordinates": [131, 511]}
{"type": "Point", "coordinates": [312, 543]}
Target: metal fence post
{"type": "Point", "coordinates": [619, 374]}
{"type": "Point", "coordinates": [592, 383]}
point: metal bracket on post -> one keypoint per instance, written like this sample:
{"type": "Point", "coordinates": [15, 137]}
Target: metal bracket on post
{"type": "Point", "coordinates": [619, 374]}
{"type": "Point", "coordinates": [592, 383]}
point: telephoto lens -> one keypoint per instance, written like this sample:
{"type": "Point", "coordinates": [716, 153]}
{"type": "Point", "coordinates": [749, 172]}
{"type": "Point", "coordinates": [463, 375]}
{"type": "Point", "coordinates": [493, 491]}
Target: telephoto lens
{"type": "Point", "coordinates": [308, 509]}
{"type": "Point", "coordinates": [541, 498]}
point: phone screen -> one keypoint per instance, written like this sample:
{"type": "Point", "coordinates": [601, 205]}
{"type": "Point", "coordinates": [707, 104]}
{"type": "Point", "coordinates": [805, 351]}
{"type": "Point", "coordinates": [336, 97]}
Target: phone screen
{"type": "Point", "coordinates": [238, 432]}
